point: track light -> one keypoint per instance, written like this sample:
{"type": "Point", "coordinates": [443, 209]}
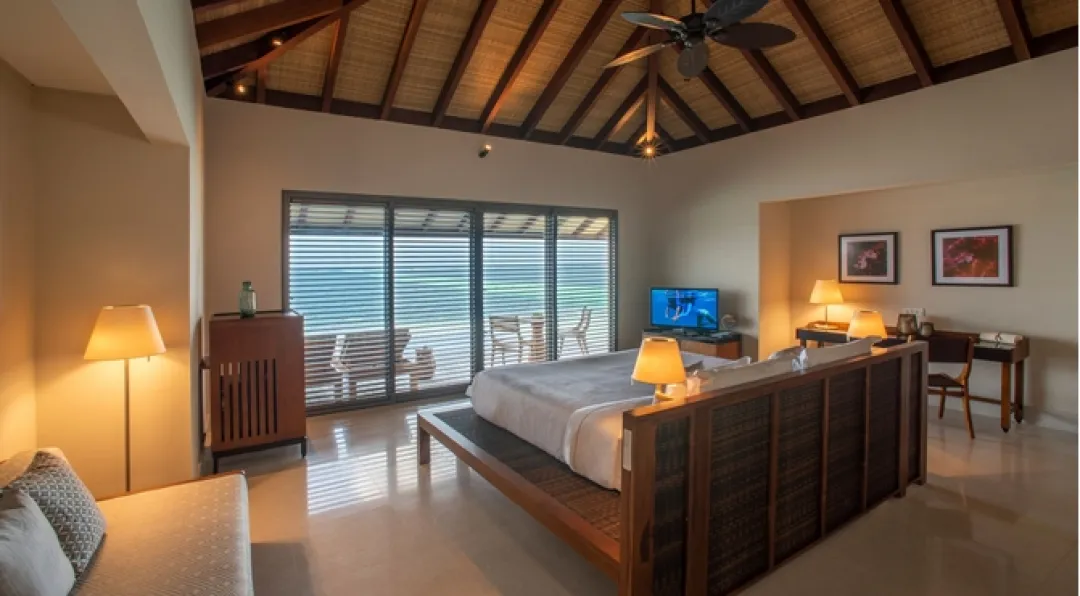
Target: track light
{"type": "Point", "coordinates": [240, 89]}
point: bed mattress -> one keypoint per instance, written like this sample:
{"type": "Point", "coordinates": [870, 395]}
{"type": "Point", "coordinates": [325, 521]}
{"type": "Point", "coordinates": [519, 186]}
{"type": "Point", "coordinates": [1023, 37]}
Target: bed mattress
{"type": "Point", "coordinates": [572, 409]}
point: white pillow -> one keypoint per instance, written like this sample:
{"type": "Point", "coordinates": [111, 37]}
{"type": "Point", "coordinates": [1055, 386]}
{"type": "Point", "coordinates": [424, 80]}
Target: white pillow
{"type": "Point", "coordinates": [730, 377]}
{"type": "Point", "coordinates": [701, 377]}
{"type": "Point", "coordinates": [812, 357]}
{"type": "Point", "coordinates": [31, 560]}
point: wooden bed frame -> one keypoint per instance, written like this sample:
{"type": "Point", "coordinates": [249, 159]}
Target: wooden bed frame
{"type": "Point", "coordinates": [719, 489]}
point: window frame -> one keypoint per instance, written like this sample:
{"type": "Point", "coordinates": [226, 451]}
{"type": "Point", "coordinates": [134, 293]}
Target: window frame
{"type": "Point", "coordinates": [477, 209]}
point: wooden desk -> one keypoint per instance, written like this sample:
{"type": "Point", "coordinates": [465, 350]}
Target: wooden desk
{"type": "Point", "coordinates": [1011, 359]}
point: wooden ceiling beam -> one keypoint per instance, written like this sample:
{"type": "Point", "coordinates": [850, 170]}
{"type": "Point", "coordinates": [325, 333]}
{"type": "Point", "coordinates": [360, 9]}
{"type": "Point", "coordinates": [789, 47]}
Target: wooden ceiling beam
{"type": "Point", "coordinates": [825, 50]}
{"type": "Point", "coordinates": [290, 43]}
{"type": "Point", "coordinates": [517, 63]}
{"type": "Point", "coordinates": [622, 113]}
{"type": "Point", "coordinates": [600, 18]}
{"type": "Point", "coordinates": [665, 138]}
{"type": "Point", "coordinates": [262, 20]}
{"type": "Point", "coordinates": [637, 137]}
{"type": "Point", "coordinates": [775, 83]}
{"type": "Point", "coordinates": [412, 28]}
{"type": "Point", "coordinates": [724, 96]}
{"type": "Point", "coordinates": [202, 5]}
{"type": "Point", "coordinates": [652, 72]}
{"type": "Point", "coordinates": [341, 29]}
{"type": "Point", "coordinates": [233, 58]}
{"type": "Point", "coordinates": [465, 53]}
{"type": "Point", "coordinates": [632, 43]}
{"type": "Point", "coordinates": [683, 110]}
{"type": "Point", "coordinates": [909, 39]}
{"type": "Point", "coordinates": [1012, 12]}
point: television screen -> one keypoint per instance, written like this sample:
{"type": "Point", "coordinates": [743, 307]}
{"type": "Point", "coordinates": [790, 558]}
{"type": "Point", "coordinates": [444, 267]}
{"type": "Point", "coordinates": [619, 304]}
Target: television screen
{"type": "Point", "coordinates": [685, 308]}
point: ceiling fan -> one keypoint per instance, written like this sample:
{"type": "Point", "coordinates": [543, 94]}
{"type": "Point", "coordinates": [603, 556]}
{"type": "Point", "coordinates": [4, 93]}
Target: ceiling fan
{"type": "Point", "coordinates": [722, 23]}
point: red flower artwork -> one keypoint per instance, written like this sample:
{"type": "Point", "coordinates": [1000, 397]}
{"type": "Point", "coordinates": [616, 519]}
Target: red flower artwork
{"type": "Point", "coordinates": [970, 256]}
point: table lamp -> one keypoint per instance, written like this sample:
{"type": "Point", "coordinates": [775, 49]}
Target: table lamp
{"type": "Point", "coordinates": [659, 363]}
{"type": "Point", "coordinates": [866, 323]}
{"type": "Point", "coordinates": [826, 291]}
{"type": "Point", "coordinates": [123, 333]}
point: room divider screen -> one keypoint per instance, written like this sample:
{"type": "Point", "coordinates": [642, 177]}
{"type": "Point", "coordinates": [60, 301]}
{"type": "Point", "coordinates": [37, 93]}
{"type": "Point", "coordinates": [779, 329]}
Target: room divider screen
{"type": "Point", "coordinates": [408, 298]}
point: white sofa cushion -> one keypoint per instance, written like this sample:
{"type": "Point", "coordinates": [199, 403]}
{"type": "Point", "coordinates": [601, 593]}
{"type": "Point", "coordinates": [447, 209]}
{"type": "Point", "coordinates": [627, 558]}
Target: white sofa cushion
{"type": "Point", "coordinates": [31, 560]}
{"type": "Point", "coordinates": [739, 375]}
{"type": "Point", "coordinates": [190, 538]}
{"type": "Point", "coordinates": [701, 377]}
{"type": "Point", "coordinates": [812, 357]}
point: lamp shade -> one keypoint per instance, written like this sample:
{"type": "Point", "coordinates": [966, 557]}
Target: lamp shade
{"type": "Point", "coordinates": [826, 291]}
{"type": "Point", "coordinates": [659, 362]}
{"type": "Point", "coordinates": [123, 332]}
{"type": "Point", "coordinates": [866, 323]}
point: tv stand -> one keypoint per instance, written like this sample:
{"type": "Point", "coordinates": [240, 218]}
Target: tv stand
{"type": "Point", "coordinates": [721, 344]}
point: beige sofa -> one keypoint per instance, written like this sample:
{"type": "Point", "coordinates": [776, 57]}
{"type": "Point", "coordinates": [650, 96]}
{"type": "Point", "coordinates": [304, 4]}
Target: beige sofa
{"type": "Point", "coordinates": [189, 538]}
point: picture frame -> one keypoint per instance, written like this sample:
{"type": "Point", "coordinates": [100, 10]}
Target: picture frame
{"type": "Point", "coordinates": [973, 257]}
{"type": "Point", "coordinates": [871, 258]}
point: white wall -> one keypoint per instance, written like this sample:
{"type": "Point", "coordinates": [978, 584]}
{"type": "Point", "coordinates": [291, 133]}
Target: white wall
{"type": "Point", "coordinates": [18, 417]}
{"type": "Point", "coordinates": [1013, 119]}
{"type": "Point", "coordinates": [254, 152]}
{"type": "Point", "coordinates": [1042, 204]}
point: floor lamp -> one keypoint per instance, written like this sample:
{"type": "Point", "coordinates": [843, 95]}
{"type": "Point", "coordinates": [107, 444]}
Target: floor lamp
{"type": "Point", "coordinates": [123, 333]}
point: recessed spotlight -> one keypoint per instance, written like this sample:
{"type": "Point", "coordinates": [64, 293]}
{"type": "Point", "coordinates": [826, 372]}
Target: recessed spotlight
{"type": "Point", "coordinates": [240, 88]}
{"type": "Point", "coordinates": [276, 41]}
{"type": "Point", "coordinates": [485, 150]}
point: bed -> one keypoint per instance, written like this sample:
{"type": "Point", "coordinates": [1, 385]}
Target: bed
{"type": "Point", "coordinates": [719, 489]}
{"type": "Point", "coordinates": [572, 409]}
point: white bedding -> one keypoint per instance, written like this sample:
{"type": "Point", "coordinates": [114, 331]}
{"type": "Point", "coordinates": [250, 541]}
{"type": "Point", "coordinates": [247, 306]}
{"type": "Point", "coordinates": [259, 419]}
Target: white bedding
{"type": "Point", "coordinates": [572, 409]}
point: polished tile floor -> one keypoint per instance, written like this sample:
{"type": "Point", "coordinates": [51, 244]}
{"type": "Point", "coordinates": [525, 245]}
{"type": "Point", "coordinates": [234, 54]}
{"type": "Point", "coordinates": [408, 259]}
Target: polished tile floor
{"type": "Point", "coordinates": [998, 516]}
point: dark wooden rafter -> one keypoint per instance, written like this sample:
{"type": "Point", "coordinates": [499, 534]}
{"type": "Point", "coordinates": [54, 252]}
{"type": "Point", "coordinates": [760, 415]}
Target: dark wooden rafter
{"type": "Point", "coordinates": [290, 43]}
{"type": "Point", "coordinates": [260, 84]}
{"type": "Point", "coordinates": [585, 40]}
{"type": "Point", "coordinates": [632, 43]}
{"type": "Point", "coordinates": [412, 28]}
{"type": "Point", "coordinates": [665, 138]}
{"type": "Point", "coordinates": [909, 39]}
{"type": "Point", "coordinates": [825, 50]}
{"type": "Point", "coordinates": [341, 29]}
{"type": "Point", "coordinates": [198, 5]}
{"type": "Point", "coordinates": [725, 97]}
{"type": "Point", "coordinates": [468, 46]}
{"type": "Point", "coordinates": [1012, 13]}
{"type": "Point", "coordinates": [637, 138]}
{"type": "Point", "coordinates": [517, 63]}
{"type": "Point", "coordinates": [239, 56]}
{"type": "Point", "coordinates": [622, 114]}
{"type": "Point", "coordinates": [262, 20]}
{"type": "Point", "coordinates": [683, 110]}
{"type": "Point", "coordinates": [774, 82]}
{"type": "Point", "coordinates": [652, 74]}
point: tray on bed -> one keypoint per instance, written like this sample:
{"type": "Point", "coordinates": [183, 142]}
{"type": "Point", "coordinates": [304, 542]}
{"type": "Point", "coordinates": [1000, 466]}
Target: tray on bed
{"type": "Point", "coordinates": [574, 508]}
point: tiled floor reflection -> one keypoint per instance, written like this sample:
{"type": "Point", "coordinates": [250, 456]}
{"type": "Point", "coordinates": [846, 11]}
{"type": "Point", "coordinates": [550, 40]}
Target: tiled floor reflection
{"type": "Point", "coordinates": [998, 517]}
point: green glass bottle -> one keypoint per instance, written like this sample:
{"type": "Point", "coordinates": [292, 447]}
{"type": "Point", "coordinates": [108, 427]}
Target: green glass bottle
{"type": "Point", "coordinates": [247, 300]}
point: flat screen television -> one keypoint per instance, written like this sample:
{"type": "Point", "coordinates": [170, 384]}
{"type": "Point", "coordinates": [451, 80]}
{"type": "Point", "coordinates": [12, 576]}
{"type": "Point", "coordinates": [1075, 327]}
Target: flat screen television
{"type": "Point", "coordinates": [693, 309]}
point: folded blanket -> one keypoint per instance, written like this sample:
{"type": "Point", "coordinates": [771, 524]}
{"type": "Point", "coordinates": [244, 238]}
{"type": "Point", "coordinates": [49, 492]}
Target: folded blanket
{"type": "Point", "coordinates": [998, 337]}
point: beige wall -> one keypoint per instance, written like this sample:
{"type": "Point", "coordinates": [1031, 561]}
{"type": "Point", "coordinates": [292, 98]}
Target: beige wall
{"type": "Point", "coordinates": [1041, 204]}
{"type": "Point", "coordinates": [112, 228]}
{"type": "Point", "coordinates": [1014, 119]}
{"type": "Point", "coordinates": [254, 152]}
{"type": "Point", "coordinates": [776, 263]}
{"type": "Point", "coordinates": [18, 418]}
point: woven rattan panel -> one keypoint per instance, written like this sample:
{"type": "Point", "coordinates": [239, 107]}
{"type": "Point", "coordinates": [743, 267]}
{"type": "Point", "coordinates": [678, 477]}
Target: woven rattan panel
{"type": "Point", "coordinates": [798, 491]}
{"type": "Point", "coordinates": [669, 507]}
{"type": "Point", "coordinates": [884, 431]}
{"type": "Point", "coordinates": [915, 398]}
{"type": "Point", "coordinates": [597, 506]}
{"type": "Point", "coordinates": [738, 494]}
{"type": "Point", "coordinates": [847, 434]}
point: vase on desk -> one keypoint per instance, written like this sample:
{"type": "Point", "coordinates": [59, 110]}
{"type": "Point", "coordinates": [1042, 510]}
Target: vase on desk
{"type": "Point", "coordinates": [926, 329]}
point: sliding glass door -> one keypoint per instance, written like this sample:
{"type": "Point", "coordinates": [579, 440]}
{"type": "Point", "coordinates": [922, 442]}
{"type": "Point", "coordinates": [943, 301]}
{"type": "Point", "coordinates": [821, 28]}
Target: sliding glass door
{"type": "Point", "coordinates": [409, 298]}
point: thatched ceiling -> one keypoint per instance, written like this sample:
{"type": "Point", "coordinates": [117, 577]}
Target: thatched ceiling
{"type": "Point", "coordinates": [533, 69]}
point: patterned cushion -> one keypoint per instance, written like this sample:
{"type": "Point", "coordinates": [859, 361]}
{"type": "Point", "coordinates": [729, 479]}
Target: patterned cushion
{"type": "Point", "coordinates": [31, 562]}
{"type": "Point", "coordinates": [67, 504]}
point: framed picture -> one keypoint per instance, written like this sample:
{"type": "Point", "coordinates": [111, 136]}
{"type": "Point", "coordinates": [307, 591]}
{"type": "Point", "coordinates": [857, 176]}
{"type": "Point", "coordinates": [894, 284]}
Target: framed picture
{"type": "Point", "coordinates": [973, 257]}
{"type": "Point", "coordinates": [869, 258]}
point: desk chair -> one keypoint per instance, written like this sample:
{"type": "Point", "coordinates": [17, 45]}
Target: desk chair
{"type": "Point", "coordinates": [947, 348]}
{"type": "Point", "coordinates": [506, 337]}
{"type": "Point", "coordinates": [578, 332]}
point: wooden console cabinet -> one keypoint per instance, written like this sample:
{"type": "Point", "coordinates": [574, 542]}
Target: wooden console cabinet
{"type": "Point", "coordinates": [256, 383]}
{"type": "Point", "coordinates": [728, 348]}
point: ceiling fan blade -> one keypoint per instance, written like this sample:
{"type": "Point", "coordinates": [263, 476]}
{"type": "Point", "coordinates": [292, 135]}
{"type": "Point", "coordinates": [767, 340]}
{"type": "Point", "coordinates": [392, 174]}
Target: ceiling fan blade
{"type": "Point", "coordinates": [753, 35]}
{"type": "Point", "coordinates": [723, 13]}
{"type": "Point", "coordinates": [654, 21]}
{"type": "Point", "coordinates": [637, 54]}
{"type": "Point", "coordinates": [694, 60]}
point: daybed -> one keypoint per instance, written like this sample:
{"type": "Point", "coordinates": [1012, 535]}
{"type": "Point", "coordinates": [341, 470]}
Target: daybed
{"type": "Point", "coordinates": [720, 488]}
